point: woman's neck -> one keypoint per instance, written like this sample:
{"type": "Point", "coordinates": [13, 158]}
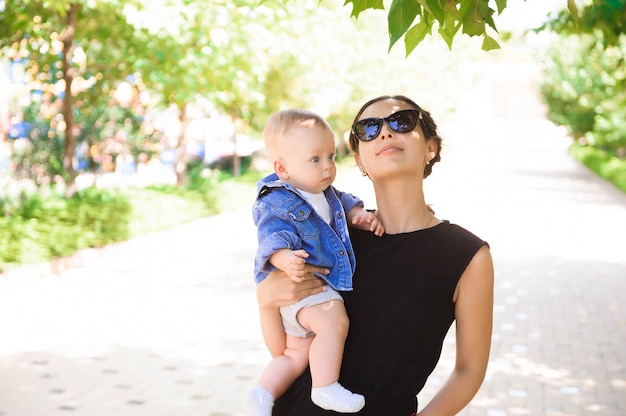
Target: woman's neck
{"type": "Point", "coordinates": [402, 207]}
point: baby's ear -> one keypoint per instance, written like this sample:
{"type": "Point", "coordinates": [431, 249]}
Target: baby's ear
{"type": "Point", "coordinates": [281, 169]}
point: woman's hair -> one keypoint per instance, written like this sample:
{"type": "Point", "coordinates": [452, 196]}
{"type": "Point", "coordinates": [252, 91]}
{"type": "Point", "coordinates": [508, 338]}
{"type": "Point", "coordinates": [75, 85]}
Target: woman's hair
{"type": "Point", "coordinates": [279, 124]}
{"type": "Point", "coordinates": [426, 122]}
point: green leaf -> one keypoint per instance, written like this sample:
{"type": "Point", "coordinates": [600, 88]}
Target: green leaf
{"type": "Point", "coordinates": [487, 15]}
{"type": "Point", "coordinates": [435, 8]}
{"type": "Point", "coordinates": [416, 34]}
{"type": "Point", "coordinates": [474, 14]}
{"type": "Point", "coordinates": [447, 35]}
{"type": "Point", "coordinates": [452, 17]}
{"type": "Point", "coordinates": [472, 24]}
{"type": "Point", "coordinates": [489, 43]}
{"type": "Point", "coordinates": [402, 13]}
{"type": "Point", "coordinates": [573, 9]}
{"type": "Point", "coordinates": [501, 5]}
{"type": "Point", "coordinates": [359, 6]}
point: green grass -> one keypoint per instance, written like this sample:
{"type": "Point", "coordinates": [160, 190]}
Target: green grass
{"type": "Point", "coordinates": [236, 193]}
{"type": "Point", "coordinates": [154, 210]}
{"type": "Point", "coordinates": [608, 167]}
{"type": "Point", "coordinates": [43, 225]}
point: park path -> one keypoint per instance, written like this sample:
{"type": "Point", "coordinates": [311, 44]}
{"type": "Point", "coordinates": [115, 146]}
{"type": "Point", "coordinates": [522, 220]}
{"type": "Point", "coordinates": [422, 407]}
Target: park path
{"type": "Point", "coordinates": [166, 324]}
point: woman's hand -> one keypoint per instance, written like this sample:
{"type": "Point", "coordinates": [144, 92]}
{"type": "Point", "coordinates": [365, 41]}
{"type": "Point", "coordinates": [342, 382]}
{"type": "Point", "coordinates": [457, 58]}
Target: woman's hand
{"type": "Point", "coordinates": [277, 289]}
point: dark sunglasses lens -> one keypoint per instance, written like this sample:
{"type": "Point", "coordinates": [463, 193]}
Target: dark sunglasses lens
{"type": "Point", "coordinates": [368, 129]}
{"type": "Point", "coordinates": [403, 121]}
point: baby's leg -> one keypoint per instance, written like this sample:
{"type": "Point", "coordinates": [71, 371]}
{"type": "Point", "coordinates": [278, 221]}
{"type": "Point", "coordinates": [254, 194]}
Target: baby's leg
{"type": "Point", "coordinates": [279, 374]}
{"type": "Point", "coordinates": [282, 371]}
{"type": "Point", "coordinates": [329, 322]}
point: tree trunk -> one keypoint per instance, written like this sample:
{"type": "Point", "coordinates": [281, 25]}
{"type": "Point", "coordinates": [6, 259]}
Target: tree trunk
{"type": "Point", "coordinates": [180, 165]}
{"type": "Point", "coordinates": [68, 103]}
{"type": "Point", "coordinates": [236, 157]}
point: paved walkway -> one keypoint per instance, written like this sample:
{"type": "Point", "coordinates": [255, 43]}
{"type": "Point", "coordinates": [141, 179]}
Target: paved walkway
{"type": "Point", "coordinates": [166, 324]}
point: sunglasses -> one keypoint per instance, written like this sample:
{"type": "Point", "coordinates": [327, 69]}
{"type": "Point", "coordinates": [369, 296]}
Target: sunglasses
{"type": "Point", "coordinates": [401, 122]}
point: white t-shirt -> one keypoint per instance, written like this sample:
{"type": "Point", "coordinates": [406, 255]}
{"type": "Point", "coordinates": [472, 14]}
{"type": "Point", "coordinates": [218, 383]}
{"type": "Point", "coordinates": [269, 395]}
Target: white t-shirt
{"type": "Point", "coordinates": [320, 203]}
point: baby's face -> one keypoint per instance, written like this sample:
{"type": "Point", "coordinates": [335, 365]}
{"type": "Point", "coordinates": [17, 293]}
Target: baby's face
{"type": "Point", "coordinates": [308, 153]}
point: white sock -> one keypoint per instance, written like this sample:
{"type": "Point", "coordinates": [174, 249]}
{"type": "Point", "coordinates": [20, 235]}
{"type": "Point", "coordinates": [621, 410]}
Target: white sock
{"type": "Point", "coordinates": [259, 402]}
{"type": "Point", "coordinates": [335, 397]}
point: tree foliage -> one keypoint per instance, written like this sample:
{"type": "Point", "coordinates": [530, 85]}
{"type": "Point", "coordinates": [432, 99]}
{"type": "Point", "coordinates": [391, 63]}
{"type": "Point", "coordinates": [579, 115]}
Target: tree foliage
{"type": "Point", "coordinates": [76, 50]}
{"type": "Point", "coordinates": [225, 52]}
{"type": "Point", "coordinates": [605, 19]}
{"type": "Point", "coordinates": [246, 60]}
{"type": "Point", "coordinates": [415, 19]}
{"type": "Point", "coordinates": [217, 51]}
{"type": "Point", "coordinates": [183, 51]}
{"type": "Point", "coordinates": [585, 83]}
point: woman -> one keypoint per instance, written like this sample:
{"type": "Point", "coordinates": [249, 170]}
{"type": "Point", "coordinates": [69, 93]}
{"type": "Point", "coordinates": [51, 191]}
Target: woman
{"type": "Point", "coordinates": [409, 285]}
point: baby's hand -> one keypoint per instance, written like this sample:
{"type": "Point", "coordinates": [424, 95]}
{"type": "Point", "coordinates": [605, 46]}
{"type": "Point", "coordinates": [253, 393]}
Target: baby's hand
{"type": "Point", "coordinates": [291, 262]}
{"type": "Point", "coordinates": [368, 221]}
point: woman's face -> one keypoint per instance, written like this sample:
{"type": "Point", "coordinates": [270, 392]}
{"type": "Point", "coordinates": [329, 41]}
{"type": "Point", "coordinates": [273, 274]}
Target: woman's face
{"type": "Point", "coordinates": [392, 153]}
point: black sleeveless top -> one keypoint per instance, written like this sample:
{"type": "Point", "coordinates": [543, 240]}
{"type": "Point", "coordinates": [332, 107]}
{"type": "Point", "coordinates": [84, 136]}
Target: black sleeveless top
{"type": "Point", "coordinates": [400, 311]}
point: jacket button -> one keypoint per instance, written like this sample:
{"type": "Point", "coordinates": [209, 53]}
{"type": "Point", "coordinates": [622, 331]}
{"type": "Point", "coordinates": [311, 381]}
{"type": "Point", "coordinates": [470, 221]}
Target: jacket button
{"type": "Point", "coordinates": [340, 215]}
{"type": "Point", "coordinates": [341, 253]}
{"type": "Point", "coordinates": [301, 212]}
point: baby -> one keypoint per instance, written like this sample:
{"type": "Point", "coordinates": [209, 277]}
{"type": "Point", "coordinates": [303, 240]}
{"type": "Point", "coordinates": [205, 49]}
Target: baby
{"type": "Point", "coordinates": [301, 218]}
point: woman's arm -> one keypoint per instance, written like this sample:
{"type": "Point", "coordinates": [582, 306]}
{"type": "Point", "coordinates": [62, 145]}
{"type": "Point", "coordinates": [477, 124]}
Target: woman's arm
{"type": "Point", "coordinates": [277, 290]}
{"type": "Point", "coordinates": [474, 321]}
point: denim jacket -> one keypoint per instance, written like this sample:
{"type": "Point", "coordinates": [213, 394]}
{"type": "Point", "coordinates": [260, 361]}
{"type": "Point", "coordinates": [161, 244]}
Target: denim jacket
{"type": "Point", "coordinates": [284, 219]}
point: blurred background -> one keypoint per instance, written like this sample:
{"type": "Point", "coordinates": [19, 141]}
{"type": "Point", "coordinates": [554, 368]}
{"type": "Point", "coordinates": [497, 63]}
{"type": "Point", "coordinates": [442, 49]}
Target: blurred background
{"type": "Point", "coordinates": [130, 145]}
{"type": "Point", "coordinates": [164, 100]}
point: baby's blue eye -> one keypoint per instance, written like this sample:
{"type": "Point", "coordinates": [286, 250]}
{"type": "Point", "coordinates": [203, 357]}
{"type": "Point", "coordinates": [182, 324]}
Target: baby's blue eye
{"type": "Point", "coordinates": [315, 159]}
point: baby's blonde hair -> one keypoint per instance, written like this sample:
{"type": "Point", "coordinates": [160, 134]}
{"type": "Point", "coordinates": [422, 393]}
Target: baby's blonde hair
{"type": "Point", "coordinates": [279, 124]}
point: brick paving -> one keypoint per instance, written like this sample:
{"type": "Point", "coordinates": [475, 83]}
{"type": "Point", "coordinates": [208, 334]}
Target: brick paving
{"type": "Point", "coordinates": [166, 324]}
